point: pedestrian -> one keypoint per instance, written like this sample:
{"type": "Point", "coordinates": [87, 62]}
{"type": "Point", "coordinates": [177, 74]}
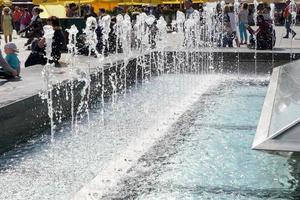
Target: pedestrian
{"type": "Point", "coordinates": [251, 17]}
{"type": "Point", "coordinates": [91, 13]}
{"type": "Point", "coordinates": [188, 4]}
{"type": "Point", "coordinates": [227, 36]}
{"type": "Point", "coordinates": [287, 14]}
{"type": "Point", "coordinates": [17, 14]}
{"type": "Point", "coordinates": [35, 27]}
{"type": "Point", "coordinates": [102, 12]}
{"type": "Point", "coordinates": [7, 24]}
{"type": "Point", "coordinates": [25, 20]}
{"type": "Point", "coordinates": [243, 23]}
{"type": "Point", "coordinates": [267, 14]}
{"type": "Point", "coordinates": [233, 24]}
{"type": "Point", "coordinates": [72, 10]}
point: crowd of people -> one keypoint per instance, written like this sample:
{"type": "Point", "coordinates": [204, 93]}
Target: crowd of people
{"type": "Point", "coordinates": [238, 24]}
{"type": "Point", "coordinates": [28, 25]}
{"type": "Point", "coordinates": [236, 28]}
{"type": "Point", "coordinates": [262, 38]}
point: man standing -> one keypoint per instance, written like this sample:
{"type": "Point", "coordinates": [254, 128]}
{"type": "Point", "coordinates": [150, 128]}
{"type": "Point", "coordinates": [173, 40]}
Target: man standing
{"type": "Point", "coordinates": [287, 14]}
{"type": "Point", "coordinates": [188, 4]}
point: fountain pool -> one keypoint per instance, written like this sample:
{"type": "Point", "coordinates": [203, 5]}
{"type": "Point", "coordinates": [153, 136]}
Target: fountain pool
{"type": "Point", "coordinates": [203, 126]}
{"type": "Point", "coordinates": [169, 121]}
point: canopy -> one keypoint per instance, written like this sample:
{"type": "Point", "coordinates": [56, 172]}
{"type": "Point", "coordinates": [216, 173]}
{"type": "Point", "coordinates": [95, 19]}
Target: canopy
{"type": "Point", "coordinates": [181, 1]}
{"type": "Point", "coordinates": [53, 10]}
{"type": "Point", "coordinates": [139, 2]}
{"type": "Point", "coordinates": [57, 2]}
{"type": "Point", "coordinates": [107, 5]}
{"type": "Point", "coordinates": [56, 7]}
{"type": "Point", "coordinates": [6, 2]}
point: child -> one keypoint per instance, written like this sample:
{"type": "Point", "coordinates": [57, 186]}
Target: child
{"type": "Point", "coordinates": [228, 35]}
{"type": "Point", "coordinates": [11, 58]}
{"type": "Point", "coordinates": [7, 25]}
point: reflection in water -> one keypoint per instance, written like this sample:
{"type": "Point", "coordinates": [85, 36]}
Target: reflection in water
{"type": "Point", "coordinates": [287, 99]}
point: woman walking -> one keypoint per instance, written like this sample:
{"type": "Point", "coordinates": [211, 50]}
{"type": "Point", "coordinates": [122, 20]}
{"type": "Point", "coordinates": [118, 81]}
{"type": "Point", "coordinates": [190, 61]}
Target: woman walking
{"type": "Point", "coordinates": [243, 23]}
{"type": "Point", "coordinates": [7, 24]}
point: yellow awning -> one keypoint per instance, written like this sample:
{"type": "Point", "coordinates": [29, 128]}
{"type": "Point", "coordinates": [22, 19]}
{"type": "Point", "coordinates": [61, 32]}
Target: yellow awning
{"type": "Point", "coordinates": [107, 5]}
{"type": "Point", "coordinates": [55, 6]}
{"type": "Point", "coordinates": [57, 10]}
{"type": "Point", "coordinates": [172, 2]}
{"type": "Point", "coordinates": [181, 2]}
{"type": "Point", "coordinates": [139, 2]}
{"type": "Point", "coordinates": [136, 4]}
{"type": "Point", "coordinates": [6, 2]}
{"type": "Point", "coordinates": [57, 2]}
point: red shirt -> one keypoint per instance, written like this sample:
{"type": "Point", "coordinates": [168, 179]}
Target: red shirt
{"type": "Point", "coordinates": [17, 15]}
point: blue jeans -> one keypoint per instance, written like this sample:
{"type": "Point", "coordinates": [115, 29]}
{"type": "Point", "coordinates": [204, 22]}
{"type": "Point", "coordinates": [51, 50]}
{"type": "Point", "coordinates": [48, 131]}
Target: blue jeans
{"type": "Point", "coordinates": [288, 28]}
{"type": "Point", "coordinates": [243, 32]}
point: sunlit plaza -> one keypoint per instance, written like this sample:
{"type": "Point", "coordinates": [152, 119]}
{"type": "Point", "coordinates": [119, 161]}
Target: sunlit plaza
{"type": "Point", "coordinates": [150, 99]}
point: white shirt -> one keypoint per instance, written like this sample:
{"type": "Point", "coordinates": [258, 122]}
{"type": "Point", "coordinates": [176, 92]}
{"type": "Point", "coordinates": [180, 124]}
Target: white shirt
{"type": "Point", "coordinates": [232, 21]}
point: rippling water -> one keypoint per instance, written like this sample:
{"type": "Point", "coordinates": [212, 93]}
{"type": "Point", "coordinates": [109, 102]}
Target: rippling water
{"type": "Point", "coordinates": [201, 128]}
{"type": "Point", "coordinates": [207, 154]}
{"type": "Point", "coordinates": [44, 170]}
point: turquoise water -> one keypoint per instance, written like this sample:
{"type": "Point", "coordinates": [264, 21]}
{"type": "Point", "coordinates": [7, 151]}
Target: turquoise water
{"type": "Point", "coordinates": [215, 160]}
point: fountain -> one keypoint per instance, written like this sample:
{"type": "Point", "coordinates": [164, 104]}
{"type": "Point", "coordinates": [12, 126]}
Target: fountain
{"type": "Point", "coordinates": [104, 24]}
{"type": "Point", "coordinates": [47, 75]}
{"type": "Point", "coordinates": [272, 16]}
{"type": "Point", "coordinates": [236, 14]}
{"type": "Point", "coordinates": [72, 51]}
{"type": "Point", "coordinates": [157, 92]}
{"type": "Point", "coordinates": [222, 5]}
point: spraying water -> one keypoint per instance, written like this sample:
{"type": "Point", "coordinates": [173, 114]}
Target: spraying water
{"type": "Point", "coordinates": [47, 74]}
{"type": "Point", "coordinates": [222, 4]}
{"type": "Point", "coordinates": [210, 11]}
{"type": "Point", "coordinates": [72, 51]}
{"type": "Point", "coordinates": [146, 40]}
{"type": "Point", "coordinates": [161, 43]}
{"type": "Point", "coordinates": [236, 15]}
{"type": "Point", "coordinates": [272, 16]}
{"type": "Point", "coordinates": [104, 24]}
{"type": "Point", "coordinates": [255, 4]}
{"type": "Point", "coordinates": [293, 11]}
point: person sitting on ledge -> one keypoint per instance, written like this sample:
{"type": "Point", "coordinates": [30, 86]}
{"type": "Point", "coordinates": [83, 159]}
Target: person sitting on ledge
{"type": "Point", "coordinates": [6, 71]}
{"type": "Point", "coordinates": [37, 55]}
{"type": "Point", "coordinates": [11, 58]}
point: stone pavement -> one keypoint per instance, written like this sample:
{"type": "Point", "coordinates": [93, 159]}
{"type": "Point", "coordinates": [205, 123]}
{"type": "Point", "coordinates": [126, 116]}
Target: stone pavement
{"type": "Point", "coordinates": [287, 43]}
{"type": "Point", "coordinates": [281, 43]}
